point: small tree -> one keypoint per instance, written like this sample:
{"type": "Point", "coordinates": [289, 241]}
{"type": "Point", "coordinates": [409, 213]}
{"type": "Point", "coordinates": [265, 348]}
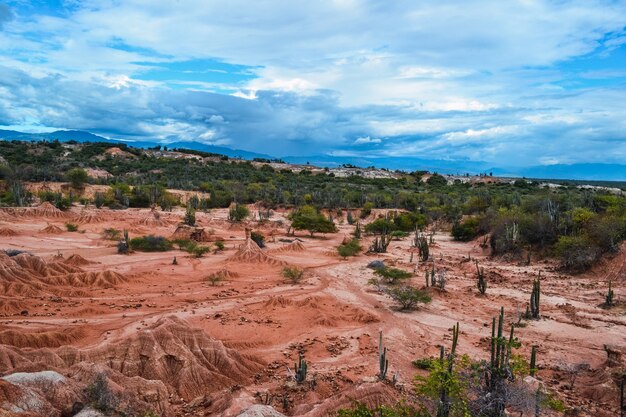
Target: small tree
{"type": "Point", "coordinates": [77, 177]}
{"type": "Point", "coordinates": [408, 297]}
{"type": "Point", "coordinates": [308, 218]}
{"type": "Point", "coordinates": [293, 274]}
{"type": "Point", "coordinates": [190, 216]}
{"type": "Point", "coordinates": [351, 248]}
{"type": "Point", "coordinates": [238, 213]}
{"type": "Point", "coordinates": [392, 275]}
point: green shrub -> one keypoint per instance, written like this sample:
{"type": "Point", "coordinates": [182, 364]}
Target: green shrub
{"type": "Point", "coordinates": [238, 213]}
{"type": "Point", "coordinates": [351, 248]}
{"type": "Point", "coordinates": [150, 243]}
{"type": "Point", "coordinates": [408, 297]}
{"type": "Point", "coordinates": [258, 238]}
{"type": "Point", "coordinates": [71, 227]}
{"type": "Point", "coordinates": [219, 245]}
{"type": "Point", "coordinates": [111, 234]}
{"type": "Point", "coordinates": [392, 275]}
{"type": "Point", "coordinates": [292, 274]}
{"type": "Point", "coordinates": [466, 230]}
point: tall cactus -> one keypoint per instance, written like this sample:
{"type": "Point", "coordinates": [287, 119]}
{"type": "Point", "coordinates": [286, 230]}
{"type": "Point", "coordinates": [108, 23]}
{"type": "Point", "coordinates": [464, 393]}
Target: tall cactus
{"type": "Point", "coordinates": [433, 278]}
{"type": "Point", "coordinates": [380, 244]}
{"type": "Point", "coordinates": [609, 296]}
{"type": "Point", "coordinates": [482, 281]}
{"type": "Point", "coordinates": [443, 408]}
{"type": "Point", "coordinates": [534, 298]}
{"type": "Point", "coordinates": [427, 274]}
{"type": "Point", "coordinates": [301, 368]}
{"type": "Point", "coordinates": [499, 368]}
{"type": "Point", "coordinates": [533, 361]}
{"type": "Point", "coordinates": [383, 362]}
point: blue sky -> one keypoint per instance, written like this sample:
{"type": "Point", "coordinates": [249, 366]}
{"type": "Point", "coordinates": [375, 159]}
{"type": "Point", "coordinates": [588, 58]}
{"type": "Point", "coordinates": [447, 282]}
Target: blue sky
{"type": "Point", "coordinates": [519, 82]}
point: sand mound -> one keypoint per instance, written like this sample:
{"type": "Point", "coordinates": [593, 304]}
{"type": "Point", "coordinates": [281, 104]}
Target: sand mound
{"type": "Point", "coordinates": [45, 209]}
{"type": "Point", "coordinates": [9, 306]}
{"type": "Point", "coordinates": [154, 220]}
{"type": "Point", "coordinates": [224, 274]}
{"type": "Point", "coordinates": [296, 246]}
{"type": "Point", "coordinates": [250, 252]}
{"type": "Point", "coordinates": [7, 231]}
{"type": "Point", "coordinates": [77, 260]}
{"type": "Point", "coordinates": [185, 359]}
{"type": "Point", "coordinates": [87, 218]}
{"type": "Point", "coordinates": [27, 275]}
{"type": "Point", "coordinates": [52, 229]}
{"type": "Point", "coordinates": [100, 279]}
{"type": "Point", "coordinates": [186, 232]}
{"type": "Point", "coordinates": [50, 339]}
{"type": "Point", "coordinates": [278, 301]}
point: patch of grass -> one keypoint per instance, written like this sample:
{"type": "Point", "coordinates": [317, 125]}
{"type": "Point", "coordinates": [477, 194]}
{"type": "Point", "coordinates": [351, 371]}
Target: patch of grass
{"type": "Point", "coordinates": [293, 274]}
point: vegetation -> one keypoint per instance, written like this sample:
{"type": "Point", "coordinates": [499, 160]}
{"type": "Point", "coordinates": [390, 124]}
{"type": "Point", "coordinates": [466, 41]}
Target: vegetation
{"type": "Point", "coordinates": [77, 177]}
{"type": "Point", "coordinates": [392, 275]}
{"type": "Point", "coordinates": [482, 281]}
{"type": "Point", "coordinates": [408, 297]}
{"type": "Point", "coordinates": [258, 238]}
{"type": "Point", "coordinates": [150, 243]}
{"type": "Point", "coordinates": [190, 216]}
{"type": "Point", "coordinates": [71, 227]}
{"type": "Point", "coordinates": [352, 248]}
{"type": "Point", "coordinates": [293, 274]}
{"type": "Point", "coordinates": [310, 219]}
{"type": "Point", "coordinates": [300, 370]}
{"type": "Point", "coordinates": [238, 213]}
{"type": "Point", "coordinates": [577, 225]}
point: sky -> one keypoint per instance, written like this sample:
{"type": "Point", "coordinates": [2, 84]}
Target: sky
{"type": "Point", "coordinates": [515, 82]}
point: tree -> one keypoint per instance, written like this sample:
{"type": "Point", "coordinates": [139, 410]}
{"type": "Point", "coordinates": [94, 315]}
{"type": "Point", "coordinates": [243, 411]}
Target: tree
{"type": "Point", "coordinates": [308, 218]}
{"type": "Point", "coordinates": [190, 216]}
{"type": "Point", "coordinates": [238, 213]}
{"type": "Point", "coordinates": [392, 275]}
{"type": "Point", "coordinates": [408, 297]}
{"type": "Point", "coordinates": [77, 177]}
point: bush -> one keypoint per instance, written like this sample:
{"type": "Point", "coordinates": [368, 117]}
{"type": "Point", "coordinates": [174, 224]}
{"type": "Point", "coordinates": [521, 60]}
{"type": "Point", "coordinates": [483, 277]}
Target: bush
{"type": "Point", "coordinates": [366, 210]}
{"type": "Point", "coordinates": [351, 248]}
{"type": "Point", "coordinates": [392, 275]}
{"type": "Point", "coordinates": [293, 274]}
{"type": "Point", "coordinates": [219, 245]}
{"type": "Point", "coordinates": [111, 234]}
{"type": "Point", "coordinates": [408, 297]}
{"type": "Point", "coordinates": [308, 218]}
{"type": "Point", "coordinates": [238, 213]}
{"type": "Point", "coordinates": [71, 227]}
{"type": "Point", "coordinates": [190, 217]}
{"type": "Point", "coordinates": [150, 243]}
{"type": "Point", "coordinates": [380, 226]}
{"type": "Point", "coordinates": [466, 230]}
{"type": "Point", "coordinates": [577, 253]}
{"type": "Point", "coordinates": [77, 177]}
{"type": "Point", "coordinates": [258, 238]}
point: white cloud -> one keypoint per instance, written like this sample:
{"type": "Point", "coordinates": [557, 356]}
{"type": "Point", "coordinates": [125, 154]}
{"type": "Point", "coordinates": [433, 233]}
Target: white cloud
{"type": "Point", "coordinates": [366, 140]}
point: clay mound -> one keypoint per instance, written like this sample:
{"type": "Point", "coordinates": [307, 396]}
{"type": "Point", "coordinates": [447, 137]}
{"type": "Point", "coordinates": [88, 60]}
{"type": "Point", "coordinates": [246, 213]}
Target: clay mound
{"type": "Point", "coordinates": [52, 229]}
{"type": "Point", "coordinates": [224, 274]}
{"type": "Point", "coordinates": [10, 306]}
{"type": "Point", "coordinates": [278, 301]}
{"type": "Point", "coordinates": [186, 359]}
{"type": "Point", "coordinates": [296, 246]}
{"type": "Point", "coordinates": [250, 252]}
{"type": "Point", "coordinates": [370, 394]}
{"type": "Point", "coordinates": [87, 218]}
{"type": "Point", "coordinates": [7, 231]}
{"type": "Point", "coordinates": [185, 232]}
{"type": "Point", "coordinates": [100, 279]}
{"type": "Point", "coordinates": [154, 220]}
{"type": "Point", "coordinates": [258, 410]}
{"type": "Point", "coordinates": [77, 260]}
{"type": "Point", "coordinates": [38, 266]}
{"type": "Point", "coordinates": [45, 209]}
{"type": "Point", "coordinates": [49, 339]}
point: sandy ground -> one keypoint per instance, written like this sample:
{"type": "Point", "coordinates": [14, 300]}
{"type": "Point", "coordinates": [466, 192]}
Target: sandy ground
{"type": "Point", "coordinates": [215, 350]}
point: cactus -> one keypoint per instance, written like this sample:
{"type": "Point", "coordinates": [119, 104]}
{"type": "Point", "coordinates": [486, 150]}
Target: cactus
{"type": "Point", "coordinates": [499, 368]}
{"type": "Point", "coordinates": [380, 244]}
{"type": "Point", "coordinates": [534, 298]}
{"type": "Point", "coordinates": [482, 282]}
{"type": "Point", "coordinates": [421, 244]}
{"type": "Point", "coordinates": [609, 296]}
{"type": "Point", "coordinates": [383, 362]}
{"type": "Point", "coordinates": [427, 276]}
{"type": "Point", "coordinates": [443, 408]}
{"type": "Point", "coordinates": [357, 231]}
{"type": "Point", "coordinates": [533, 360]}
{"type": "Point", "coordinates": [433, 278]}
{"type": "Point", "coordinates": [300, 369]}
{"type": "Point", "coordinates": [123, 246]}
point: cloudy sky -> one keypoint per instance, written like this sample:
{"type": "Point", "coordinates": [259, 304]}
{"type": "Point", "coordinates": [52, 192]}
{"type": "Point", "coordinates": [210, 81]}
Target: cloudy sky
{"type": "Point", "coordinates": [522, 82]}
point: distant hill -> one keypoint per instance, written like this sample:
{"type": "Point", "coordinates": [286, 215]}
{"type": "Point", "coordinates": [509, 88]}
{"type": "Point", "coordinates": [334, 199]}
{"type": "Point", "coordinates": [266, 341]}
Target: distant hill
{"type": "Point", "coordinates": [583, 171]}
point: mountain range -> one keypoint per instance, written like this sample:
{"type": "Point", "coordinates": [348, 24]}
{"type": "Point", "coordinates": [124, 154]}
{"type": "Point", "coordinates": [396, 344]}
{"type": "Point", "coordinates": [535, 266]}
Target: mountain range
{"type": "Point", "coordinates": [580, 171]}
